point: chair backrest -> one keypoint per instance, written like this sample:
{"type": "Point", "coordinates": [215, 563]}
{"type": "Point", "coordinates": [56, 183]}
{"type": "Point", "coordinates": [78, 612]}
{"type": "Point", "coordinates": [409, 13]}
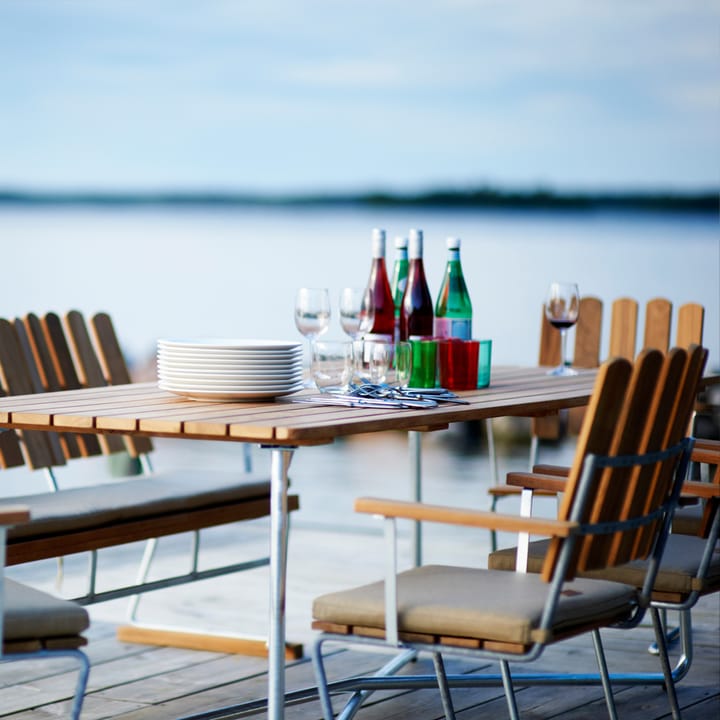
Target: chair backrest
{"type": "Point", "coordinates": [658, 325]}
{"type": "Point", "coordinates": [635, 409]}
{"type": "Point", "coordinates": [586, 355]}
{"type": "Point", "coordinates": [47, 354]}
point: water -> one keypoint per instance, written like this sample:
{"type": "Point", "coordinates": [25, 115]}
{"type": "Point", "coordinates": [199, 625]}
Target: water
{"type": "Point", "coordinates": [234, 272]}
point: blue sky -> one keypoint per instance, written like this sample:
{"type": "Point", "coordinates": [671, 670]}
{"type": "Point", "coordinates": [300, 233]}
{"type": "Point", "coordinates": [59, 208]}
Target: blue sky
{"type": "Point", "coordinates": [281, 95]}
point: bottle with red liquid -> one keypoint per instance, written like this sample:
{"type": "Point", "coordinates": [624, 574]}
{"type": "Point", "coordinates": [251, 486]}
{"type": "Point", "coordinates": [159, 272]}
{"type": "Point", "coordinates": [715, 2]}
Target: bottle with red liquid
{"type": "Point", "coordinates": [416, 313]}
{"type": "Point", "coordinates": [379, 286]}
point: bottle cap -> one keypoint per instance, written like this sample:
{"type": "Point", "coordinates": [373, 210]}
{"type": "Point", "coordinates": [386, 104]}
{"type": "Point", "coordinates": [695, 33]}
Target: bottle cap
{"type": "Point", "coordinates": [453, 243]}
{"type": "Point", "coordinates": [378, 243]}
{"type": "Point", "coordinates": [416, 243]}
{"type": "Point", "coordinates": [401, 243]}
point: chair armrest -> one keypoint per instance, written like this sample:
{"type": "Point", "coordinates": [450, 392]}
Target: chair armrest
{"type": "Point", "coordinates": [558, 470]}
{"type": "Point", "coordinates": [457, 516]}
{"type": "Point", "coordinates": [700, 489]}
{"type": "Point", "coordinates": [707, 444]}
{"type": "Point", "coordinates": [535, 481]}
{"type": "Point", "coordinates": [13, 514]}
{"type": "Point", "coordinates": [711, 456]}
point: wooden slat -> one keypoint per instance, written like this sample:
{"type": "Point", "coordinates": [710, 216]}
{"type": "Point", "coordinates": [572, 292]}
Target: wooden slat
{"type": "Point", "coordinates": [53, 439]}
{"type": "Point", "coordinates": [48, 374]}
{"type": "Point", "coordinates": [17, 381]}
{"type": "Point", "coordinates": [603, 412]}
{"type": "Point", "coordinates": [628, 438]}
{"type": "Point", "coordinates": [658, 314]}
{"type": "Point", "coordinates": [588, 331]}
{"type": "Point", "coordinates": [65, 370]}
{"type": "Point", "coordinates": [623, 328]}
{"type": "Point", "coordinates": [548, 427]}
{"type": "Point", "coordinates": [89, 369]}
{"type": "Point", "coordinates": [690, 322]}
{"type": "Point", "coordinates": [115, 370]}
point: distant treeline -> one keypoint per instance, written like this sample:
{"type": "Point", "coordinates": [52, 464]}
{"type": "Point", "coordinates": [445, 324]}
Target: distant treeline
{"type": "Point", "coordinates": [703, 202]}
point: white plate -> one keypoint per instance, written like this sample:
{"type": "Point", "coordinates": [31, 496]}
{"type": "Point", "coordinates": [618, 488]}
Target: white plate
{"type": "Point", "coordinates": [229, 344]}
{"type": "Point", "coordinates": [260, 356]}
{"type": "Point", "coordinates": [241, 396]}
{"type": "Point", "coordinates": [224, 374]}
{"type": "Point", "coordinates": [227, 366]}
{"type": "Point", "coordinates": [225, 385]}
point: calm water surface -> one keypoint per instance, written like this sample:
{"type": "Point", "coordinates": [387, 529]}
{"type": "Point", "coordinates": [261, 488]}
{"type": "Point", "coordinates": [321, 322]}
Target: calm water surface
{"type": "Point", "coordinates": [211, 272]}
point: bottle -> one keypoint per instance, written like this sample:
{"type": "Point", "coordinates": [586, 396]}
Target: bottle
{"type": "Point", "coordinates": [453, 310]}
{"type": "Point", "coordinates": [379, 286]}
{"type": "Point", "coordinates": [416, 313]}
{"type": "Point", "coordinates": [399, 280]}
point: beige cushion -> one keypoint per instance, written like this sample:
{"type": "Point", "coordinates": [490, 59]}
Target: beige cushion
{"type": "Point", "coordinates": [96, 505]}
{"type": "Point", "coordinates": [476, 603]}
{"type": "Point", "coordinates": [687, 520]}
{"type": "Point", "coordinates": [678, 569]}
{"type": "Point", "coordinates": [34, 615]}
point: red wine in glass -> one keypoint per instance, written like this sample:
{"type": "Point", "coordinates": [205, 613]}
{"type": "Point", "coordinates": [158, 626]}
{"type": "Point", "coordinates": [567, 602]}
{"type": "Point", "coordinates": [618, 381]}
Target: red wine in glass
{"type": "Point", "coordinates": [562, 306]}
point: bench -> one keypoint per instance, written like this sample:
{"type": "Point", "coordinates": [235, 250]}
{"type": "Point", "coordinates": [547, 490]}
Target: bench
{"type": "Point", "coordinates": [51, 354]}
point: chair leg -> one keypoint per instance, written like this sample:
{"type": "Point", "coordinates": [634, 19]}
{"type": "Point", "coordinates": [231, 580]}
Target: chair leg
{"type": "Point", "coordinates": [604, 677]}
{"type": "Point", "coordinates": [509, 690]}
{"type": "Point", "coordinates": [493, 533]}
{"type": "Point", "coordinates": [321, 679]}
{"type": "Point", "coordinates": [665, 663]}
{"type": "Point", "coordinates": [671, 635]}
{"type": "Point", "coordinates": [443, 686]}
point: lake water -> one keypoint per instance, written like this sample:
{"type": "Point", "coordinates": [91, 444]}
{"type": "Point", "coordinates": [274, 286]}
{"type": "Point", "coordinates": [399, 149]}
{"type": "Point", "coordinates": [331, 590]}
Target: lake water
{"type": "Point", "coordinates": [169, 272]}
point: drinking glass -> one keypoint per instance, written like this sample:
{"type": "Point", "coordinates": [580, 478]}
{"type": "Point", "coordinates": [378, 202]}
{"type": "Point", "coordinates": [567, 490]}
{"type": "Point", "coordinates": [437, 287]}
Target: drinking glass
{"type": "Point", "coordinates": [312, 313]}
{"type": "Point", "coordinates": [357, 313]}
{"type": "Point", "coordinates": [561, 309]}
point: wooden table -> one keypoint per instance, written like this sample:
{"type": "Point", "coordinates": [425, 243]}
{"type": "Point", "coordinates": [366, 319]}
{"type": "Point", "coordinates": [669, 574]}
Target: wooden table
{"type": "Point", "coordinates": [283, 426]}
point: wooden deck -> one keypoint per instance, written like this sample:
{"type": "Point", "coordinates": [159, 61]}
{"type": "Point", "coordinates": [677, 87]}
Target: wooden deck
{"type": "Point", "coordinates": [329, 548]}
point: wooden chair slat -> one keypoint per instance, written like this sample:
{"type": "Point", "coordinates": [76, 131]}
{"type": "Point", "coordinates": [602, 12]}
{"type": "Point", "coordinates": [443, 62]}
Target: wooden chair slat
{"type": "Point", "coordinates": [90, 372]}
{"type": "Point", "coordinates": [595, 437]}
{"type": "Point", "coordinates": [548, 427]}
{"type": "Point", "coordinates": [116, 371]}
{"type": "Point", "coordinates": [627, 439]}
{"type": "Point", "coordinates": [658, 315]}
{"type": "Point", "coordinates": [587, 349]}
{"type": "Point", "coordinates": [27, 350]}
{"type": "Point", "coordinates": [17, 381]}
{"type": "Point", "coordinates": [46, 368]}
{"type": "Point", "coordinates": [690, 324]}
{"type": "Point", "coordinates": [66, 373]}
{"type": "Point", "coordinates": [623, 328]}
{"type": "Point", "coordinates": [649, 483]}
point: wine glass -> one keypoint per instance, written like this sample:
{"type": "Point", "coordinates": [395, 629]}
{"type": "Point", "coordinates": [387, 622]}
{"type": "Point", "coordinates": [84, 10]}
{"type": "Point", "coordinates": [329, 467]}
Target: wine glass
{"type": "Point", "coordinates": [312, 312]}
{"type": "Point", "coordinates": [357, 313]}
{"type": "Point", "coordinates": [561, 309]}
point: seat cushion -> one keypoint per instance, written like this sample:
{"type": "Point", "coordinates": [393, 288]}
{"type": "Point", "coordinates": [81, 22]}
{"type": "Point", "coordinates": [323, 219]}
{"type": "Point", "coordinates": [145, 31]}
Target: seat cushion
{"type": "Point", "coordinates": [164, 492]}
{"type": "Point", "coordinates": [476, 603]}
{"type": "Point", "coordinates": [678, 569]}
{"type": "Point", "coordinates": [32, 615]}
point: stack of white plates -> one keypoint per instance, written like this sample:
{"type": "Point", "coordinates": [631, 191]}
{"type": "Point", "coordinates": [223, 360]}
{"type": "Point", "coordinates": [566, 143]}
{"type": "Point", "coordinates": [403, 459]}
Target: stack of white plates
{"type": "Point", "coordinates": [218, 369]}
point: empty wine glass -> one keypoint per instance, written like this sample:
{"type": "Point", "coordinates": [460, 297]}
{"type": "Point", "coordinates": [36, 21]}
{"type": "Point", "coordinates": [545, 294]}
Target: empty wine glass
{"type": "Point", "coordinates": [312, 312]}
{"type": "Point", "coordinates": [561, 309]}
{"type": "Point", "coordinates": [357, 313]}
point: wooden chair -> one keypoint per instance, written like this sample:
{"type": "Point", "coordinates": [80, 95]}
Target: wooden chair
{"type": "Point", "coordinates": [552, 427]}
{"type": "Point", "coordinates": [47, 354]}
{"type": "Point", "coordinates": [623, 486]}
{"type": "Point", "coordinates": [37, 626]}
{"type": "Point", "coordinates": [622, 343]}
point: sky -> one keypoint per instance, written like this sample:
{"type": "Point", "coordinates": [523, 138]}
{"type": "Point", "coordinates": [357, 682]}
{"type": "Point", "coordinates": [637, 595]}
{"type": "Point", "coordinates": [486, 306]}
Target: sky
{"type": "Point", "coordinates": [279, 96]}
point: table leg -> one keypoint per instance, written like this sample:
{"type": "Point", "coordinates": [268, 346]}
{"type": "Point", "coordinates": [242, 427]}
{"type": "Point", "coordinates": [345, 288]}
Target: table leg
{"type": "Point", "coordinates": [415, 443]}
{"type": "Point", "coordinates": [280, 463]}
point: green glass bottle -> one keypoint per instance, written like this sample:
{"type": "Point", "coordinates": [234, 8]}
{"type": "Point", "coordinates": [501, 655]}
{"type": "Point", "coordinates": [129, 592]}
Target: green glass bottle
{"type": "Point", "coordinates": [453, 309]}
{"type": "Point", "coordinates": [399, 280]}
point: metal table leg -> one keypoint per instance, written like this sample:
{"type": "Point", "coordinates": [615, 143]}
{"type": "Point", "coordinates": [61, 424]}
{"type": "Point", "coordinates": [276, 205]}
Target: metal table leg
{"type": "Point", "coordinates": [280, 463]}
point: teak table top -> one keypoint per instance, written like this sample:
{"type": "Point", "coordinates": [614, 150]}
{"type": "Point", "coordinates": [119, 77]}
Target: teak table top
{"type": "Point", "coordinates": [143, 408]}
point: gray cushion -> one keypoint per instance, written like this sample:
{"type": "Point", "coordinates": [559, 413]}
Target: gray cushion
{"type": "Point", "coordinates": [678, 569]}
{"type": "Point", "coordinates": [95, 505]}
{"type": "Point", "coordinates": [476, 603]}
{"type": "Point", "coordinates": [34, 615]}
